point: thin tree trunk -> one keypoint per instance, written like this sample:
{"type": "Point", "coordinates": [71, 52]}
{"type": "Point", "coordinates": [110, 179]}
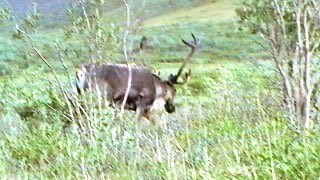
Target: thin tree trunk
{"type": "Point", "coordinates": [126, 58]}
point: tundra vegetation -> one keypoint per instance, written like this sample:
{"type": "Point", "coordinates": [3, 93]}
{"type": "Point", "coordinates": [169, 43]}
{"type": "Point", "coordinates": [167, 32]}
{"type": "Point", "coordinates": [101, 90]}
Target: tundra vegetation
{"type": "Point", "coordinates": [249, 110]}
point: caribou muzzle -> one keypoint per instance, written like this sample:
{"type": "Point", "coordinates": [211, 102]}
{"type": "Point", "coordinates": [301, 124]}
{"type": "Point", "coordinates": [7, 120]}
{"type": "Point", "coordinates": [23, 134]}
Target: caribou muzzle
{"type": "Point", "coordinates": [169, 107]}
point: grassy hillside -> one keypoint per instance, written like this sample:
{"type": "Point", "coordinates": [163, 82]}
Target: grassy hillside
{"type": "Point", "coordinates": [228, 124]}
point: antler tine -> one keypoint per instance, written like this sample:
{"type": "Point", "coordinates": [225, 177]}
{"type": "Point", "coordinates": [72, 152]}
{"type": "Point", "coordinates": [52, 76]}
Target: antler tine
{"type": "Point", "coordinates": [193, 44]}
{"type": "Point", "coordinates": [193, 47]}
{"type": "Point", "coordinates": [194, 38]}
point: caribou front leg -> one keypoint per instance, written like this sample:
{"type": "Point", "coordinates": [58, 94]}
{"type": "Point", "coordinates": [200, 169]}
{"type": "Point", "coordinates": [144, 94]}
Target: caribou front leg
{"type": "Point", "coordinates": [144, 113]}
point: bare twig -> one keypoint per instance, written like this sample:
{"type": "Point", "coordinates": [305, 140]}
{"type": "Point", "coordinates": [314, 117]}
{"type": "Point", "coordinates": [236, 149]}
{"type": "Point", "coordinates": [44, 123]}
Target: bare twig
{"type": "Point", "coordinates": [25, 32]}
{"type": "Point", "coordinates": [85, 15]}
{"type": "Point", "coordinates": [126, 33]}
{"type": "Point", "coordinates": [63, 63]}
{"type": "Point", "coordinates": [34, 48]}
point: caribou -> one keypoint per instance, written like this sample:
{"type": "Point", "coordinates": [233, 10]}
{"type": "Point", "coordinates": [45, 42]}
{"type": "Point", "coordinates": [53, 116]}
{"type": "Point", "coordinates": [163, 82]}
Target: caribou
{"type": "Point", "coordinates": [148, 91]}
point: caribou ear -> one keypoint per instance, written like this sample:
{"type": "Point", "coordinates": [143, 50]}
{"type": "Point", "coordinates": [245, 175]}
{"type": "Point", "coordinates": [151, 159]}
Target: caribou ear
{"type": "Point", "coordinates": [171, 79]}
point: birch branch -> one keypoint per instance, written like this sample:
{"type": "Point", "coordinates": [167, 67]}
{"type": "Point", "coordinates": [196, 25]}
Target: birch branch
{"type": "Point", "coordinates": [126, 33]}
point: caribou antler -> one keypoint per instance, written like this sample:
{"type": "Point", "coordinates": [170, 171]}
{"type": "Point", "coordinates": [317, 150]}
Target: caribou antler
{"type": "Point", "coordinates": [143, 43]}
{"type": "Point", "coordinates": [193, 45]}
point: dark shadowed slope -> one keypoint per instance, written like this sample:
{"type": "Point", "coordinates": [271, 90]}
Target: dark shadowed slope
{"type": "Point", "coordinates": [53, 9]}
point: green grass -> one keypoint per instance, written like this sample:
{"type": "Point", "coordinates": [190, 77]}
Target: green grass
{"type": "Point", "coordinates": [222, 128]}
{"type": "Point", "coordinates": [201, 13]}
{"type": "Point", "coordinates": [230, 134]}
{"type": "Point", "coordinates": [214, 25]}
{"type": "Point", "coordinates": [228, 124]}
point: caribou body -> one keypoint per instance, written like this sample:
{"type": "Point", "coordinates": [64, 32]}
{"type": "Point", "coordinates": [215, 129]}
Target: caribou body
{"type": "Point", "coordinates": [146, 87]}
{"type": "Point", "coordinates": [147, 91]}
